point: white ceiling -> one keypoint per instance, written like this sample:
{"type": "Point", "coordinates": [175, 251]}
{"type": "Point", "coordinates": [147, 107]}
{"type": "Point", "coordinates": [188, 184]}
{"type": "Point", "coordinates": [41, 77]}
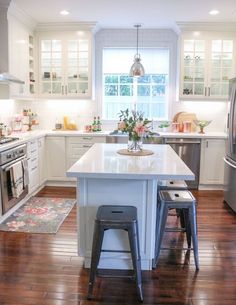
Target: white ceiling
{"type": "Point", "coordinates": [125, 13]}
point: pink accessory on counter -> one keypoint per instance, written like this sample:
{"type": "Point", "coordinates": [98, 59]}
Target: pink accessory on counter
{"type": "Point", "coordinates": [175, 127]}
{"type": "Point", "coordinates": [187, 126]}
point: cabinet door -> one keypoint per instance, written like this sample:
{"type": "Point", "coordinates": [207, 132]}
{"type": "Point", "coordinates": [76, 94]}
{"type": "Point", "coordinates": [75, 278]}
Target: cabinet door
{"type": "Point", "coordinates": [56, 158]}
{"type": "Point", "coordinates": [220, 67]}
{"type": "Point", "coordinates": [18, 57]}
{"type": "Point", "coordinates": [51, 82]}
{"type": "Point", "coordinates": [193, 68]}
{"type": "Point", "coordinates": [42, 160]}
{"type": "Point", "coordinates": [78, 66]}
{"type": "Point", "coordinates": [33, 165]}
{"type": "Point", "coordinates": [212, 165]}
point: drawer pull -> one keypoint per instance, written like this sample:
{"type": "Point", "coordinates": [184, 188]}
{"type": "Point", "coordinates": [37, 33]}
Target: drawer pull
{"type": "Point", "coordinates": [87, 146]}
{"type": "Point", "coordinates": [87, 138]}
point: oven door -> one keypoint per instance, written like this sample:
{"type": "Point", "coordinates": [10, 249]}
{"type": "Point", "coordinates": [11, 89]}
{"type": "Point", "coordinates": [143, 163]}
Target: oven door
{"type": "Point", "coordinates": [8, 200]}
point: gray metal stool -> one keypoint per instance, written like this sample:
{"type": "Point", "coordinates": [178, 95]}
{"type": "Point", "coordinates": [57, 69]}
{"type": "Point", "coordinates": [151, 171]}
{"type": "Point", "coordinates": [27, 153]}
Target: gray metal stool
{"type": "Point", "coordinates": [116, 217]}
{"type": "Point", "coordinates": [170, 185]}
{"type": "Point", "coordinates": [178, 199]}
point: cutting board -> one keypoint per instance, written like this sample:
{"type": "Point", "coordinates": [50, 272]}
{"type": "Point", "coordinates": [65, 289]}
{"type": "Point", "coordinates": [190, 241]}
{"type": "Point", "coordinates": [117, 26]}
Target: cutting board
{"type": "Point", "coordinates": [187, 117]}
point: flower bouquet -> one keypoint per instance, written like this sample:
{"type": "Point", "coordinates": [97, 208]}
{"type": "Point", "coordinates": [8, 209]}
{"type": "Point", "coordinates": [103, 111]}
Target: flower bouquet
{"type": "Point", "coordinates": [135, 126]}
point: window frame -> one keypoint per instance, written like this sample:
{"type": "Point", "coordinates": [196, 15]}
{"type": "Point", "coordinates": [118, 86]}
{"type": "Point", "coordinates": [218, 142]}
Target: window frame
{"type": "Point", "coordinates": [148, 38]}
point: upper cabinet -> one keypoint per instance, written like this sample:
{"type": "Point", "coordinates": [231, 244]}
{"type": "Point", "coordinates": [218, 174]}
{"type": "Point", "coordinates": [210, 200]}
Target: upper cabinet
{"type": "Point", "coordinates": [207, 64]}
{"type": "Point", "coordinates": [65, 64]}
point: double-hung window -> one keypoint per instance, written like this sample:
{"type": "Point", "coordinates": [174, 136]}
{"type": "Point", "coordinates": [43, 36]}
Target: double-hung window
{"type": "Point", "coordinates": [149, 93]}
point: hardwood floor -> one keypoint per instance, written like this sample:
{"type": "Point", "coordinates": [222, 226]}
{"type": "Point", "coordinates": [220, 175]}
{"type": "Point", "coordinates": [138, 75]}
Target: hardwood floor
{"type": "Point", "coordinates": [44, 269]}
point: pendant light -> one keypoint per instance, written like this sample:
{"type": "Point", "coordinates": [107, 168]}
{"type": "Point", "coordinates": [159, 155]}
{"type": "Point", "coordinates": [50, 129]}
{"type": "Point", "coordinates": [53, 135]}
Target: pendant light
{"type": "Point", "coordinates": [137, 68]}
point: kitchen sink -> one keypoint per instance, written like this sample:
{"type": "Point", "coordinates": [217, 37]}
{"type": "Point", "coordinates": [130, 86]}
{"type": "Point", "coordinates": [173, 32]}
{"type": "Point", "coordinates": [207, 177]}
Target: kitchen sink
{"type": "Point", "coordinates": [117, 137]}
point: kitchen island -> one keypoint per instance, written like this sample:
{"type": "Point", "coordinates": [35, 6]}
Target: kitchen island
{"type": "Point", "coordinates": [105, 177]}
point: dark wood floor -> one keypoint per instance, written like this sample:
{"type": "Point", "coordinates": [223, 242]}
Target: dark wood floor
{"type": "Point", "coordinates": [44, 269]}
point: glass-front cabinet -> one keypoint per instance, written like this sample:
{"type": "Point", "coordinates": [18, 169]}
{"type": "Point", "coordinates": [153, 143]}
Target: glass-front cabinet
{"type": "Point", "coordinates": [207, 64]}
{"type": "Point", "coordinates": [65, 65]}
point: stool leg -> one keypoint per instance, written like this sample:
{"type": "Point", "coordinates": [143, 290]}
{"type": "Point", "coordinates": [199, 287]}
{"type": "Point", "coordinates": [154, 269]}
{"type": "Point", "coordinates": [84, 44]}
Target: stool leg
{"type": "Point", "coordinates": [163, 218]}
{"type": "Point", "coordinates": [187, 227]}
{"type": "Point", "coordinates": [158, 217]}
{"type": "Point", "coordinates": [180, 213]}
{"type": "Point", "coordinates": [135, 254]}
{"type": "Point", "coordinates": [193, 224]}
{"type": "Point", "coordinates": [96, 253]}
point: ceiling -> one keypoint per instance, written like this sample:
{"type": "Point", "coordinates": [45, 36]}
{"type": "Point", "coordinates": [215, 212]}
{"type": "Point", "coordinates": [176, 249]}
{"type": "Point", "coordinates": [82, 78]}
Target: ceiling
{"type": "Point", "coordinates": [125, 13]}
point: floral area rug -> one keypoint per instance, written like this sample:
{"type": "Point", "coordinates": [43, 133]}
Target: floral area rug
{"type": "Point", "coordinates": [39, 215]}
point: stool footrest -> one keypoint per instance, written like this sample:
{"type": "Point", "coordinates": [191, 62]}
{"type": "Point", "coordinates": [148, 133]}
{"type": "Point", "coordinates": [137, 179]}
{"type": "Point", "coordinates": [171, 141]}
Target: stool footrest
{"type": "Point", "coordinates": [175, 230]}
{"type": "Point", "coordinates": [176, 248]}
{"type": "Point", "coordinates": [120, 251]}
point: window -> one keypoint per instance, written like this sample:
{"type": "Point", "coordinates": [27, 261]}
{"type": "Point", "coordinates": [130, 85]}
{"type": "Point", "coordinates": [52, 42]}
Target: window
{"type": "Point", "coordinates": [149, 94]}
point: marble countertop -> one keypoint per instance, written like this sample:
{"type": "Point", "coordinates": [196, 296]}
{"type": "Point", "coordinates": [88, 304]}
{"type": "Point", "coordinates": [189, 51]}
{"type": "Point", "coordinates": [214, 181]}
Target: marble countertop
{"type": "Point", "coordinates": [103, 161]}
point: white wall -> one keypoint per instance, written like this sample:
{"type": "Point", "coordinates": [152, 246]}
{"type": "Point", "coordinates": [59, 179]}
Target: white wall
{"type": "Point", "coordinates": [213, 111]}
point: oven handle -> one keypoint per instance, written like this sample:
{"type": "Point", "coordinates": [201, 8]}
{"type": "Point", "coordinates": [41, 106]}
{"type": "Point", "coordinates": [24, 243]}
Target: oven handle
{"type": "Point", "coordinates": [7, 166]}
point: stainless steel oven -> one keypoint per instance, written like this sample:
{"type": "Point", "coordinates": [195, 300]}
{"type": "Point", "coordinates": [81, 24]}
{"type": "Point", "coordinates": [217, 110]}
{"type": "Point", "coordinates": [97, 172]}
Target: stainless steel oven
{"type": "Point", "coordinates": [8, 159]}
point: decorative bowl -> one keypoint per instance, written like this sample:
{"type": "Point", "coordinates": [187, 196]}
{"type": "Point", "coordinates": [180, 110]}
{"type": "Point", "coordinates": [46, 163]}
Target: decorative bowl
{"type": "Point", "coordinates": [202, 124]}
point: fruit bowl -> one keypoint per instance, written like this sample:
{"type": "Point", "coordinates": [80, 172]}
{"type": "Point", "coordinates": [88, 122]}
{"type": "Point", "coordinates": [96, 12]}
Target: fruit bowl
{"type": "Point", "coordinates": [202, 124]}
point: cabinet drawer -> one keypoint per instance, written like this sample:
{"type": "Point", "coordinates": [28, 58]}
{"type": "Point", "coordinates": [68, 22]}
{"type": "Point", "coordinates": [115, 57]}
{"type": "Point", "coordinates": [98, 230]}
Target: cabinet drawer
{"type": "Point", "coordinates": [76, 150]}
{"type": "Point", "coordinates": [86, 139]}
{"type": "Point", "coordinates": [33, 162]}
{"type": "Point", "coordinates": [32, 148]}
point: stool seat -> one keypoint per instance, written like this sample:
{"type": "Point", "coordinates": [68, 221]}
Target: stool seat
{"type": "Point", "coordinates": [183, 200]}
{"type": "Point", "coordinates": [116, 217]}
{"type": "Point", "coordinates": [173, 184]}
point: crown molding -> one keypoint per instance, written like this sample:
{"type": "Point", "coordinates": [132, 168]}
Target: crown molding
{"type": "Point", "coordinates": [207, 26]}
{"type": "Point", "coordinates": [22, 16]}
{"type": "Point", "coordinates": [69, 26]}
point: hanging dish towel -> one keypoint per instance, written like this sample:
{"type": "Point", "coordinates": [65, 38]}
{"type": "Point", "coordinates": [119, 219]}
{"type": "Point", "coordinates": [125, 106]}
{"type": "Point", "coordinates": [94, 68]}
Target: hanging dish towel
{"type": "Point", "coordinates": [16, 173]}
{"type": "Point", "coordinates": [25, 172]}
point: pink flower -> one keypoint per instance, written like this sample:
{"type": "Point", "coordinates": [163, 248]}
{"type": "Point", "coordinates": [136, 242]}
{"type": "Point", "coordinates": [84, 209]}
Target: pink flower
{"type": "Point", "coordinates": [140, 129]}
{"type": "Point", "coordinates": [15, 224]}
{"type": "Point", "coordinates": [122, 125]}
{"type": "Point", "coordinates": [36, 210]}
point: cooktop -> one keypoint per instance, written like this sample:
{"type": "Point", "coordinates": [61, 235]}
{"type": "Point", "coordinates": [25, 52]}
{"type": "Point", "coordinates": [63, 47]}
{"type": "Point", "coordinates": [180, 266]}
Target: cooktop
{"type": "Point", "coordinates": [4, 140]}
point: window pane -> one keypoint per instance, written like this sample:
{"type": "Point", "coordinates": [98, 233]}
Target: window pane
{"type": "Point", "coordinates": [148, 93]}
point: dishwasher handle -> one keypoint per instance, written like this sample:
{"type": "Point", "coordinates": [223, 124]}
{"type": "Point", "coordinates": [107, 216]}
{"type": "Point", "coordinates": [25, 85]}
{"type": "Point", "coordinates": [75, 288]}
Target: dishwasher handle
{"type": "Point", "coordinates": [183, 142]}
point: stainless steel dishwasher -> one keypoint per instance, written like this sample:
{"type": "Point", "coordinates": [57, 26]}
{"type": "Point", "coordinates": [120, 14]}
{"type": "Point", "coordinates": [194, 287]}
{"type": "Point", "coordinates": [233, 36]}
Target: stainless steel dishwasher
{"type": "Point", "coordinates": [189, 150]}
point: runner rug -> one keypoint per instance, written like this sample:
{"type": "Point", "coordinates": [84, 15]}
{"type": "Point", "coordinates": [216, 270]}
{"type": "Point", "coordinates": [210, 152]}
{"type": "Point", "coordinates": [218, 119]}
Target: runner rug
{"type": "Point", "coordinates": [39, 215]}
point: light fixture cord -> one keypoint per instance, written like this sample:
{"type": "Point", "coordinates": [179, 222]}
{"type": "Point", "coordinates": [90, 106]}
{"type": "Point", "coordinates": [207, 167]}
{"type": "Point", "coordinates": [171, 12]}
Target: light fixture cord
{"type": "Point", "coordinates": [137, 38]}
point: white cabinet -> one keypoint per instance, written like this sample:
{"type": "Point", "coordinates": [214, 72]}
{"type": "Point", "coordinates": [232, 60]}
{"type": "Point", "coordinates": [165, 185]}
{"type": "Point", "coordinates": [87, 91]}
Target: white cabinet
{"type": "Point", "coordinates": [56, 158]}
{"type": "Point", "coordinates": [42, 161]}
{"type": "Point", "coordinates": [212, 164]}
{"type": "Point", "coordinates": [19, 57]}
{"type": "Point", "coordinates": [65, 64]}
{"type": "Point", "coordinates": [33, 166]}
{"type": "Point", "coordinates": [77, 146]}
{"type": "Point", "coordinates": [207, 64]}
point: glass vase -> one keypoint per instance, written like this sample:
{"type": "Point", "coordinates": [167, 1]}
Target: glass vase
{"type": "Point", "coordinates": [134, 145]}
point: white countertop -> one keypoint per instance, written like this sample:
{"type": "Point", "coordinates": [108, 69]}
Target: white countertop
{"type": "Point", "coordinates": [34, 134]}
{"type": "Point", "coordinates": [103, 161]}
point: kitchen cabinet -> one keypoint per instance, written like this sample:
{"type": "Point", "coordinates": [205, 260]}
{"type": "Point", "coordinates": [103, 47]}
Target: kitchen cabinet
{"type": "Point", "coordinates": [42, 161]}
{"type": "Point", "coordinates": [77, 146]}
{"type": "Point", "coordinates": [56, 158]}
{"type": "Point", "coordinates": [212, 164]}
{"type": "Point", "coordinates": [65, 64]}
{"type": "Point", "coordinates": [20, 58]}
{"type": "Point", "coordinates": [207, 64]}
{"type": "Point", "coordinates": [33, 165]}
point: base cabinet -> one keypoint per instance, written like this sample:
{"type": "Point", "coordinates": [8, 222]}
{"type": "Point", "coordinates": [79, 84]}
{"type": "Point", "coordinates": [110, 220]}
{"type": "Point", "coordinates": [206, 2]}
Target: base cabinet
{"type": "Point", "coordinates": [56, 158]}
{"type": "Point", "coordinates": [42, 160]}
{"type": "Point", "coordinates": [33, 165]}
{"type": "Point", "coordinates": [212, 164]}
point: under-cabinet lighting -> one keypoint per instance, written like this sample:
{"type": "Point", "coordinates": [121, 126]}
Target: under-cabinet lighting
{"type": "Point", "coordinates": [214, 12]}
{"type": "Point", "coordinates": [64, 12]}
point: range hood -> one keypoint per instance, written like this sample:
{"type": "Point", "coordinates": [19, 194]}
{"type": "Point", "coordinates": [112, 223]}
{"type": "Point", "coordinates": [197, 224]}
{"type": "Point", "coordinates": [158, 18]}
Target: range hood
{"type": "Point", "coordinates": [5, 76]}
{"type": "Point", "coordinates": [8, 78]}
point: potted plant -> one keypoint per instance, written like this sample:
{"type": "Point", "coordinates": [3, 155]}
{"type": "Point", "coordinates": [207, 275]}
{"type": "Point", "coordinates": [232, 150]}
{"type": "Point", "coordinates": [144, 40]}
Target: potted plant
{"type": "Point", "coordinates": [164, 125]}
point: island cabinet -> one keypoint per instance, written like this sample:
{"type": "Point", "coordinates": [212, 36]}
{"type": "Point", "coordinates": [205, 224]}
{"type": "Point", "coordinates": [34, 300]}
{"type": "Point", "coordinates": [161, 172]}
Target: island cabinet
{"type": "Point", "coordinates": [104, 177]}
{"type": "Point", "coordinates": [207, 64]}
{"type": "Point", "coordinates": [212, 164]}
{"type": "Point", "coordinates": [65, 64]}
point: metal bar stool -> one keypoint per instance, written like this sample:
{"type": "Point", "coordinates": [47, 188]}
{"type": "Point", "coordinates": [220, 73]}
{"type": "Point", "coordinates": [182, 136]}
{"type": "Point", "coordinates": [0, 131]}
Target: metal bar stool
{"type": "Point", "coordinates": [175, 185]}
{"type": "Point", "coordinates": [178, 199]}
{"type": "Point", "coordinates": [116, 217]}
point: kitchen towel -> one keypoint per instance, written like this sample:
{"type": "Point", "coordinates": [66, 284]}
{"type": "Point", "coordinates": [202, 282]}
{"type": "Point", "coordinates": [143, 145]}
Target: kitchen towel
{"type": "Point", "coordinates": [16, 174]}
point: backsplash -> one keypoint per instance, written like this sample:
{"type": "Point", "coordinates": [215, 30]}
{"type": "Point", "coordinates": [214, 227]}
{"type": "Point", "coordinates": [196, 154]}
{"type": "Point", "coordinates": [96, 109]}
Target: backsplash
{"type": "Point", "coordinates": [82, 112]}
